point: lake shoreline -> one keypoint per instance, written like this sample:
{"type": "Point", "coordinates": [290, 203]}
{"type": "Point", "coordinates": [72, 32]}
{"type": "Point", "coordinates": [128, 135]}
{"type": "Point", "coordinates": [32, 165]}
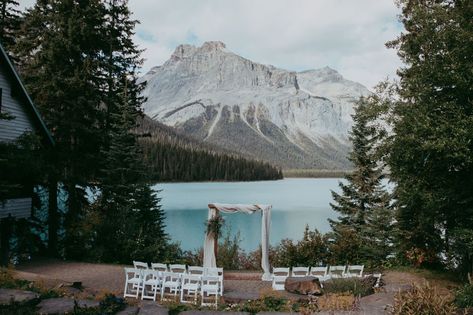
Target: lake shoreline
{"type": "Point", "coordinates": [288, 174]}
{"type": "Point", "coordinates": [315, 173]}
{"type": "Point", "coordinates": [296, 202]}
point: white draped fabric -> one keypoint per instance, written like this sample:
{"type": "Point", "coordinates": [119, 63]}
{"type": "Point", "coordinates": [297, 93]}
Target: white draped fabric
{"type": "Point", "coordinates": [209, 254]}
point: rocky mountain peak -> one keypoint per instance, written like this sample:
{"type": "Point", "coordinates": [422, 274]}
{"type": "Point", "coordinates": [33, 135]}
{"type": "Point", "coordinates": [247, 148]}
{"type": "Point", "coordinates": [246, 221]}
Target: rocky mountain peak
{"type": "Point", "coordinates": [213, 45]}
{"type": "Point", "coordinates": [293, 119]}
{"type": "Point", "coordinates": [182, 51]}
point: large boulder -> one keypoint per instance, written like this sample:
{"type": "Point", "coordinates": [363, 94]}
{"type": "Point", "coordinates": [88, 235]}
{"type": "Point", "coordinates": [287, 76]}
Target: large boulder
{"type": "Point", "coordinates": [303, 285]}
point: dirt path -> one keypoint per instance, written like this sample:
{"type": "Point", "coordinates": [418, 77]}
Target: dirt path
{"type": "Point", "coordinates": [101, 277]}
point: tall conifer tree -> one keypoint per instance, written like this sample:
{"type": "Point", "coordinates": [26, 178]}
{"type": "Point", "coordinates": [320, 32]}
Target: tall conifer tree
{"type": "Point", "coordinates": [131, 217]}
{"type": "Point", "coordinates": [431, 155]}
{"type": "Point", "coordinates": [363, 204]}
{"type": "Point", "coordinates": [59, 49]}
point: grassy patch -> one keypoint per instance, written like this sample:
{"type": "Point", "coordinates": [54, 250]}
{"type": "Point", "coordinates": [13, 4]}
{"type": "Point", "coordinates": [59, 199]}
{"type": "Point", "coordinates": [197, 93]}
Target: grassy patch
{"type": "Point", "coordinates": [337, 302]}
{"type": "Point", "coordinates": [430, 274]}
{"type": "Point", "coordinates": [464, 296]}
{"type": "Point", "coordinates": [423, 300]}
{"type": "Point", "coordinates": [353, 286]}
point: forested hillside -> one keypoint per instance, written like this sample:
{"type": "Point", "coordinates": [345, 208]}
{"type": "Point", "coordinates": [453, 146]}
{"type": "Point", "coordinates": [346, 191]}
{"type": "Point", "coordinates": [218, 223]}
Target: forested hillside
{"type": "Point", "coordinates": [171, 156]}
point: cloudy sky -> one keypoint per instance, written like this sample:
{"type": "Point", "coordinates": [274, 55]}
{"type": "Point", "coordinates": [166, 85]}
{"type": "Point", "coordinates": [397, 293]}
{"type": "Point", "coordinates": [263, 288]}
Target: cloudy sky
{"type": "Point", "coordinates": [346, 35]}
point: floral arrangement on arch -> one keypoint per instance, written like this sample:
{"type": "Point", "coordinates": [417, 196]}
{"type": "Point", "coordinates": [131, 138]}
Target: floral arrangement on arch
{"type": "Point", "coordinates": [215, 226]}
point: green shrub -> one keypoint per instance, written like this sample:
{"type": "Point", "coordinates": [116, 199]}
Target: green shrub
{"type": "Point", "coordinates": [355, 286]}
{"type": "Point", "coordinates": [266, 304]}
{"type": "Point", "coordinates": [464, 296]}
{"type": "Point", "coordinates": [274, 303]}
{"type": "Point", "coordinates": [229, 251]}
{"type": "Point", "coordinates": [176, 308]}
{"type": "Point", "coordinates": [311, 250]}
{"type": "Point", "coordinates": [423, 300]}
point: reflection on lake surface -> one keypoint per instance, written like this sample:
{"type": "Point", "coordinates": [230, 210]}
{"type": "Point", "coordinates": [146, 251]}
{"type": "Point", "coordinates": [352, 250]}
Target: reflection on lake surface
{"type": "Point", "coordinates": [296, 202]}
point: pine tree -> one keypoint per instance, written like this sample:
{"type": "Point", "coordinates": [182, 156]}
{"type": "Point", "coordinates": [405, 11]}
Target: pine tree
{"type": "Point", "coordinates": [122, 58]}
{"type": "Point", "coordinates": [131, 220]}
{"type": "Point", "coordinates": [131, 217]}
{"type": "Point", "coordinates": [59, 48]}
{"type": "Point", "coordinates": [431, 155]}
{"type": "Point", "coordinates": [9, 22]}
{"type": "Point", "coordinates": [364, 204]}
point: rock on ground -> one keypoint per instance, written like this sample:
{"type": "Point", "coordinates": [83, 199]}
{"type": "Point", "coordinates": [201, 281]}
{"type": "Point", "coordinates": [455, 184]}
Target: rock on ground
{"type": "Point", "coordinates": [63, 305]}
{"type": "Point", "coordinates": [151, 308]}
{"type": "Point", "coordinates": [17, 296]}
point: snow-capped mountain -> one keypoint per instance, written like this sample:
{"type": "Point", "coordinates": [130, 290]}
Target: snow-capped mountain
{"type": "Point", "coordinates": [292, 119]}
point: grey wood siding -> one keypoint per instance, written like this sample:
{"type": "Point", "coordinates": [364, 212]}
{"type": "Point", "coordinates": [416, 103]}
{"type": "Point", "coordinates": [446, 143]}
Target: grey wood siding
{"type": "Point", "coordinates": [10, 130]}
{"type": "Point", "coordinates": [17, 208]}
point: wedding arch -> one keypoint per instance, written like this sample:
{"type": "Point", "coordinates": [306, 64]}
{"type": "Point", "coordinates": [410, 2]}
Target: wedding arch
{"type": "Point", "coordinates": [214, 208]}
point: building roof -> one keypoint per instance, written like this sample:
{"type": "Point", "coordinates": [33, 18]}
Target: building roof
{"type": "Point", "coordinates": [30, 107]}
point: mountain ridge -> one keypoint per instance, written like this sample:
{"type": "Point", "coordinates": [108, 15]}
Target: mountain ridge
{"type": "Point", "coordinates": [291, 119]}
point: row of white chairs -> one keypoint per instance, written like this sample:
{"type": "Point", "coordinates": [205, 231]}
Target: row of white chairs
{"type": "Point", "coordinates": [183, 269]}
{"type": "Point", "coordinates": [324, 273]}
{"type": "Point", "coordinates": [187, 282]}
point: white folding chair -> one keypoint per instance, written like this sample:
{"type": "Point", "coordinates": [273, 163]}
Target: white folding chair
{"type": "Point", "coordinates": [177, 268]}
{"type": "Point", "coordinates": [279, 277]}
{"type": "Point", "coordinates": [190, 285]}
{"type": "Point", "coordinates": [320, 272]}
{"type": "Point", "coordinates": [151, 284]}
{"type": "Point", "coordinates": [354, 271]}
{"type": "Point", "coordinates": [336, 272]}
{"type": "Point", "coordinates": [195, 270]}
{"type": "Point", "coordinates": [300, 271]}
{"type": "Point", "coordinates": [378, 279]}
{"type": "Point", "coordinates": [133, 282]}
{"type": "Point", "coordinates": [140, 265]}
{"type": "Point", "coordinates": [171, 281]}
{"type": "Point", "coordinates": [215, 272]}
{"type": "Point", "coordinates": [210, 286]}
{"type": "Point", "coordinates": [159, 267]}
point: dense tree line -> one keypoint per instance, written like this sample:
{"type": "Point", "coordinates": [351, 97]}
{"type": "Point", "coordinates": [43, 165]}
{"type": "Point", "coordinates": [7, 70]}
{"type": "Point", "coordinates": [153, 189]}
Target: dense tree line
{"type": "Point", "coordinates": [168, 162]}
{"type": "Point", "coordinates": [170, 156]}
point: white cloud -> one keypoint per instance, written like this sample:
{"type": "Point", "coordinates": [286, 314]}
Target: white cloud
{"type": "Point", "coordinates": [293, 34]}
{"type": "Point", "coordinates": [344, 34]}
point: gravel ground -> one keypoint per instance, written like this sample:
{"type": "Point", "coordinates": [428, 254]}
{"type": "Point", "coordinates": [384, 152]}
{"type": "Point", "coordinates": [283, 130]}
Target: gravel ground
{"type": "Point", "coordinates": [104, 277]}
{"type": "Point", "coordinates": [238, 285]}
{"type": "Point", "coordinates": [110, 278]}
{"type": "Point", "coordinates": [100, 277]}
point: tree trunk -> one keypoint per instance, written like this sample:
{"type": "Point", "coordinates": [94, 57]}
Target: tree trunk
{"type": "Point", "coordinates": [53, 217]}
{"type": "Point", "coordinates": [5, 233]}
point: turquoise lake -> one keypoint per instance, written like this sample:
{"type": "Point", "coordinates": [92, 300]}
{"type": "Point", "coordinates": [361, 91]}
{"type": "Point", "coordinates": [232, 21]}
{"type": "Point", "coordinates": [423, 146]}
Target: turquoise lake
{"type": "Point", "coordinates": [296, 202]}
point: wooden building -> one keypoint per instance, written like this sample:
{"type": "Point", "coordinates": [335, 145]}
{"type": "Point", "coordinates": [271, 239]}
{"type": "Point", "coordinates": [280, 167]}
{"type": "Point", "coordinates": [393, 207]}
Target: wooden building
{"type": "Point", "coordinates": [24, 117]}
